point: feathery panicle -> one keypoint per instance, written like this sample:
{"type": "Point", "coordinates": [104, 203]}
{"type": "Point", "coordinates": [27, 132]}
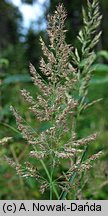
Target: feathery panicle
{"type": "Point", "coordinates": [61, 100]}
{"type": "Point", "coordinates": [38, 81]}
{"type": "Point", "coordinates": [38, 155]}
{"type": "Point", "coordinates": [88, 38]}
{"type": "Point", "coordinates": [26, 131]}
{"type": "Point", "coordinates": [27, 97]}
{"type": "Point", "coordinates": [56, 27]}
{"type": "Point", "coordinates": [58, 51]}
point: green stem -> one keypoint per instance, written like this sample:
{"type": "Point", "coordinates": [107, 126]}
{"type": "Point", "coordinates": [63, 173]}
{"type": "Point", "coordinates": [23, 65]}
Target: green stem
{"type": "Point", "coordinates": [10, 127]}
{"type": "Point", "coordinates": [20, 179]}
{"type": "Point", "coordinates": [52, 186]}
{"type": "Point", "coordinates": [50, 191]}
{"type": "Point", "coordinates": [64, 193]}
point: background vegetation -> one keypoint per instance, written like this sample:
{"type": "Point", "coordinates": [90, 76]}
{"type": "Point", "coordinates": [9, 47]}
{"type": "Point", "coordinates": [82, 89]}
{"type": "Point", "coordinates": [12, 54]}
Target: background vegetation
{"type": "Point", "coordinates": [16, 51]}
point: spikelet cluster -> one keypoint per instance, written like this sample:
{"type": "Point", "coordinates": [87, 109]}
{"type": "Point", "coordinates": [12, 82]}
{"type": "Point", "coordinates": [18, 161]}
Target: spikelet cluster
{"type": "Point", "coordinates": [57, 105]}
{"type": "Point", "coordinates": [5, 140]}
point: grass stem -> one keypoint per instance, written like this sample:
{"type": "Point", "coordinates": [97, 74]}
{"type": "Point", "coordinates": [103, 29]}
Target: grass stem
{"type": "Point", "coordinates": [64, 193]}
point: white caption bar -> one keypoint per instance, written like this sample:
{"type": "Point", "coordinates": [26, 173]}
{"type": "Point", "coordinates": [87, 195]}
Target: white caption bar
{"type": "Point", "coordinates": [53, 207]}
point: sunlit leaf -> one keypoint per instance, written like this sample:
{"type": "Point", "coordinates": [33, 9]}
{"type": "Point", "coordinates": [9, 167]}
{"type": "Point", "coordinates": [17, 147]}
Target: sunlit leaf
{"type": "Point", "coordinates": [16, 78]}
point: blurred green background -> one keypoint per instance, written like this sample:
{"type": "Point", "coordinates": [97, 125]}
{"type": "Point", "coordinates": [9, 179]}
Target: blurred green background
{"type": "Point", "coordinates": [18, 47]}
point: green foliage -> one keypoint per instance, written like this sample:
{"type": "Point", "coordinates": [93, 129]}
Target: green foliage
{"type": "Point", "coordinates": [10, 18]}
{"type": "Point", "coordinates": [4, 62]}
{"type": "Point", "coordinates": [16, 78]}
{"type": "Point", "coordinates": [103, 53]}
